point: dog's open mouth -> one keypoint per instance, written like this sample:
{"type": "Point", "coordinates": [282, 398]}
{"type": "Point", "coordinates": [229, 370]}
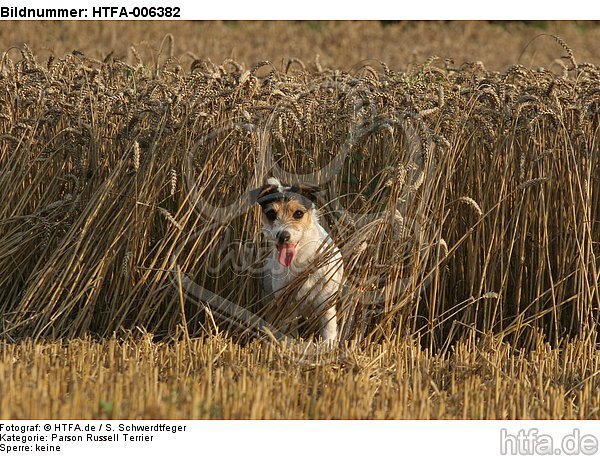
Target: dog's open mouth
{"type": "Point", "coordinates": [287, 253]}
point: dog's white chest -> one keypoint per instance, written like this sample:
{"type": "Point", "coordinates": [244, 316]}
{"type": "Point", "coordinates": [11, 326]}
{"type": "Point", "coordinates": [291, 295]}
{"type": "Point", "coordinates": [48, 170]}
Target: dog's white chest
{"type": "Point", "coordinates": [312, 289]}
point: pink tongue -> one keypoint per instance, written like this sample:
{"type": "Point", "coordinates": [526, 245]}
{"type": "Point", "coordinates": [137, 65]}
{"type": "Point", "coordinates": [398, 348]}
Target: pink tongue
{"type": "Point", "coordinates": [287, 252]}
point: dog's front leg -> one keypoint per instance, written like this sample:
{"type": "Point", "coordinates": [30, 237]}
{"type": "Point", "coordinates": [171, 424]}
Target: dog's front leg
{"type": "Point", "coordinates": [328, 325]}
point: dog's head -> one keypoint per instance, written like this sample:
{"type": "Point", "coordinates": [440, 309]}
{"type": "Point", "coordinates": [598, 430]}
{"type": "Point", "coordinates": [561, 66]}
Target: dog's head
{"type": "Point", "coordinates": [288, 211]}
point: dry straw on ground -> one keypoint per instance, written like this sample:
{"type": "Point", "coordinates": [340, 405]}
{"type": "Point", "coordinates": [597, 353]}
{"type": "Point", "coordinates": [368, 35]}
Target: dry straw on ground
{"type": "Point", "coordinates": [507, 207]}
{"type": "Point", "coordinates": [215, 378]}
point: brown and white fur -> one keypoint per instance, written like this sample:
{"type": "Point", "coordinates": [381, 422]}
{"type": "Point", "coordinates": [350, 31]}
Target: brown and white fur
{"type": "Point", "coordinates": [304, 255]}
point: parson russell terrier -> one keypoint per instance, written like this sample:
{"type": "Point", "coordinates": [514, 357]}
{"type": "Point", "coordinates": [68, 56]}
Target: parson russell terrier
{"type": "Point", "coordinates": [304, 255]}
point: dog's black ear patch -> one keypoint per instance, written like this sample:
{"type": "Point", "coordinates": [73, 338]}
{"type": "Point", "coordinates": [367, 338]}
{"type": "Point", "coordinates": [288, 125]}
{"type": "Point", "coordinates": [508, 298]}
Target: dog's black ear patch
{"type": "Point", "coordinates": [310, 192]}
{"type": "Point", "coordinates": [260, 192]}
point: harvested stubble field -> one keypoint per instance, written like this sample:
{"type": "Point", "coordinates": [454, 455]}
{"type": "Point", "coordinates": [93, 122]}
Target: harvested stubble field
{"type": "Point", "coordinates": [466, 205]}
{"type": "Point", "coordinates": [216, 378]}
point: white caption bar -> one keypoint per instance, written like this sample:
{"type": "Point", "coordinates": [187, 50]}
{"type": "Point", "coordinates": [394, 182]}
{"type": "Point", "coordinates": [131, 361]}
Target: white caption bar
{"type": "Point", "coordinates": [305, 10]}
{"type": "Point", "coordinates": [150, 437]}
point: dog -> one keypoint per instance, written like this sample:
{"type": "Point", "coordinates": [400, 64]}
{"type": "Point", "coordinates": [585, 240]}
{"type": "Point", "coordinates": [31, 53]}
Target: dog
{"type": "Point", "coordinates": [303, 253]}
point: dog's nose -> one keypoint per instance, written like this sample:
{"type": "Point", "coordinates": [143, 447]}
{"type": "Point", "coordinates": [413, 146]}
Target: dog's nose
{"type": "Point", "coordinates": [283, 237]}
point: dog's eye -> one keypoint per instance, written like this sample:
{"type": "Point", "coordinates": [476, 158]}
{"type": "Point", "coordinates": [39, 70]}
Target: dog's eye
{"type": "Point", "coordinates": [271, 215]}
{"type": "Point", "coordinates": [298, 214]}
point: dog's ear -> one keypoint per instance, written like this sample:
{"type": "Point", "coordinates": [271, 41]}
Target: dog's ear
{"type": "Point", "coordinates": [259, 192]}
{"type": "Point", "coordinates": [311, 192]}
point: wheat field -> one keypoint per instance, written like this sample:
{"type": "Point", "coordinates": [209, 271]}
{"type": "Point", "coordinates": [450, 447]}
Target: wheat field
{"type": "Point", "coordinates": [465, 200]}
